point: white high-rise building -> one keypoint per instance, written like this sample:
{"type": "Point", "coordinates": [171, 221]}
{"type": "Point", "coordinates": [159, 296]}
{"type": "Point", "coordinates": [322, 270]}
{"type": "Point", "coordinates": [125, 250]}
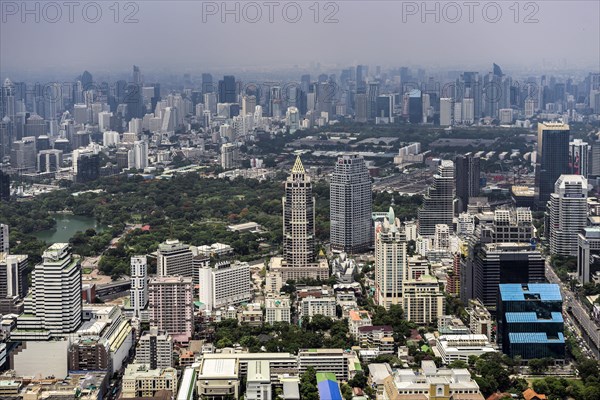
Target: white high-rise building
{"type": "Point", "coordinates": [139, 285]}
{"type": "Point", "coordinates": [210, 102]}
{"type": "Point", "coordinates": [104, 121]}
{"type": "Point", "coordinates": [351, 204]}
{"type": "Point", "coordinates": [110, 138]}
{"type": "Point", "coordinates": [458, 113]}
{"type": "Point", "coordinates": [529, 108]}
{"type": "Point", "coordinates": [568, 212]}
{"type": "Point", "coordinates": [4, 243]}
{"type": "Point", "coordinates": [174, 258]}
{"type": "Point", "coordinates": [468, 110]}
{"type": "Point", "coordinates": [390, 261]}
{"type": "Point", "coordinates": [55, 302]}
{"type": "Point", "coordinates": [229, 156]}
{"type": "Point", "coordinates": [138, 155]}
{"type": "Point", "coordinates": [446, 111]}
{"type": "Point", "coordinates": [135, 125]}
{"type": "Point", "coordinates": [225, 284]}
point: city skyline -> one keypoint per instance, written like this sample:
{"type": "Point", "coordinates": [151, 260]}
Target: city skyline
{"type": "Point", "coordinates": [156, 43]}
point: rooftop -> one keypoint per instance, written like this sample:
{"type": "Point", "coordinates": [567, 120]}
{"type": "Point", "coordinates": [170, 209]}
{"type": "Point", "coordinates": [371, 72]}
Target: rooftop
{"type": "Point", "coordinates": [531, 291]}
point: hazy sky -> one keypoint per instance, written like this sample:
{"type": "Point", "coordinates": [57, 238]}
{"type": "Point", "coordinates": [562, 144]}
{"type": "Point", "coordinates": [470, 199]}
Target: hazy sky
{"type": "Point", "coordinates": [178, 36]}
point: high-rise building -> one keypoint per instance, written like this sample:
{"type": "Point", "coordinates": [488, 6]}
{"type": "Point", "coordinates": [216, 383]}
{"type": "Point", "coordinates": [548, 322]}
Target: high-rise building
{"type": "Point", "coordinates": [23, 154]}
{"type": "Point", "coordinates": [423, 301]}
{"type": "Point", "coordinates": [578, 157]}
{"type": "Point", "coordinates": [530, 321]}
{"type": "Point", "coordinates": [299, 247]}
{"type": "Point", "coordinates": [174, 258]}
{"type": "Point", "coordinates": [277, 309]}
{"type": "Point", "coordinates": [138, 155]}
{"type": "Point", "coordinates": [588, 252]}
{"type": "Point", "coordinates": [54, 305]}
{"type": "Point", "coordinates": [567, 213]}
{"type": "Point", "coordinates": [4, 238]}
{"type": "Point", "coordinates": [155, 348]}
{"type": "Point", "coordinates": [415, 106]}
{"type": "Point", "coordinates": [446, 111]}
{"type": "Point", "coordinates": [467, 179]}
{"type": "Point", "coordinates": [360, 109]}
{"type": "Point", "coordinates": [139, 285]}
{"type": "Point", "coordinates": [227, 90]}
{"type": "Point", "coordinates": [499, 263]}
{"type": "Point", "coordinates": [7, 100]}
{"type": "Point", "coordinates": [552, 158]}
{"type": "Point", "coordinates": [390, 261]}
{"type": "Point", "coordinates": [4, 186]}
{"type": "Point", "coordinates": [170, 303]}
{"type": "Point", "coordinates": [49, 160]}
{"type": "Point", "coordinates": [292, 119]}
{"type": "Point", "coordinates": [437, 205]}
{"type": "Point", "coordinates": [351, 204]}
{"type": "Point", "coordinates": [230, 156]}
{"type": "Point", "coordinates": [13, 282]}
{"type": "Point", "coordinates": [87, 168]}
{"type": "Point", "coordinates": [224, 285]}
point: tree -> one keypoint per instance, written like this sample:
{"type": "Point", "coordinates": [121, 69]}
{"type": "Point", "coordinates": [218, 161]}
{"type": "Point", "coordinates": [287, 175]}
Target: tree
{"type": "Point", "coordinates": [308, 385]}
{"type": "Point", "coordinates": [359, 380]}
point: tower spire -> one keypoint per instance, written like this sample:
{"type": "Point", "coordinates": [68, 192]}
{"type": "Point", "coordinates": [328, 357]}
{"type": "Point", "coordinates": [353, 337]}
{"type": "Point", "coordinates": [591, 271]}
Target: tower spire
{"type": "Point", "coordinates": [298, 168]}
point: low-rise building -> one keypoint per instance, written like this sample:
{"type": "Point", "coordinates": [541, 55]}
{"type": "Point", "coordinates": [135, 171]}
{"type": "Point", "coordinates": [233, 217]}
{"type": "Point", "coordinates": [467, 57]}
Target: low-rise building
{"type": "Point", "coordinates": [141, 381]}
{"type": "Point", "coordinates": [459, 347]}
{"type": "Point", "coordinates": [258, 381]}
{"type": "Point", "coordinates": [311, 306]}
{"type": "Point", "coordinates": [379, 337]}
{"type": "Point", "coordinates": [219, 378]}
{"type": "Point", "coordinates": [277, 309]}
{"type": "Point", "coordinates": [357, 319]}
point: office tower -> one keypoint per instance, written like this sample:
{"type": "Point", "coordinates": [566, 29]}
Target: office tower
{"type": "Point", "coordinates": [468, 170]}
{"type": "Point", "coordinates": [415, 106]}
{"type": "Point", "coordinates": [248, 105]}
{"type": "Point", "coordinates": [23, 154]}
{"type": "Point", "coordinates": [4, 186]}
{"type": "Point", "coordinates": [87, 168]}
{"type": "Point", "coordinates": [54, 304]}
{"type": "Point", "coordinates": [472, 89]}
{"type": "Point", "coordinates": [390, 261]}
{"type": "Point", "coordinates": [138, 155]}
{"type": "Point", "coordinates": [360, 109]}
{"type": "Point", "coordinates": [224, 285]}
{"type": "Point", "coordinates": [298, 218]}
{"type": "Point", "coordinates": [552, 158]}
{"type": "Point", "coordinates": [210, 102]}
{"type": "Point", "coordinates": [6, 136]}
{"type": "Point", "coordinates": [578, 158]}
{"type": "Point", "coordinates": [385, 108]}
{"type": "Point", "coordinates": [351, 204]}
{"type": "Point", "coordinates": [230, 156]}
{"type": "Point", "coordinates": [530, 321]}
{"type": "Point", "coordinates": [137, 75]}
{"type": "Point", "coordinates": [174, 258]}
{"type": "Point", "coordinates": [207, 83]}
{"type": "Point", "coordinates": [7, 100]}
{"type": "Point", "coordinates": [468, 110]}
{"type": "Point", "coordinates": [292, 119]}
{"type": "Point", "coordinates": [499, 263]}
{"type": "Point", "coordinates": [138, 295]}
{"type": "Point", "coordinates": [299, 247]}
{"type": "Point", "coordinates": [372, 94]}
{"type": "Point", "coordinates": [446, 112]}
{"type": "Point", "coordinates": [567, 213]}
{"type": "Point", "coordinates": [49, 160]}
{"type": "Point", "coordinates": [588, 253]}
{"type": "Point", "coordinates": [227, 90]}
{"type": "Point", "coordinates": [13, 282]}
{"type": "Point", "coordinates": [170, 303]}
{"type": "Point", "coordinates": [155, 348]}
{"type": "Point", "coordinates": [511, 225]}
{"type": "Point", "coordinates": [423, 301]}
{"type": "Point", "coordinates": [35, 126]}
{"type": "Point", "coordinates": [42, 142]}
{"type": "Point", "coordinates": [437, 205]}
{"type": "Point", "coordinates": [4, 238]}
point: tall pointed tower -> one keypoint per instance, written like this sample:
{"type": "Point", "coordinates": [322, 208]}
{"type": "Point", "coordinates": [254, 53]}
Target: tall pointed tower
{"type": "Point", "coordinates": [299, 247]}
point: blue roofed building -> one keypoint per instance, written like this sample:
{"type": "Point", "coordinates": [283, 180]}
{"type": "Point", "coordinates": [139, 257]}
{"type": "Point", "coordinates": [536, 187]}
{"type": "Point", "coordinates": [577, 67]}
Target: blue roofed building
{"type": "Point", "coordinates": [530, 321]}
{"type": "Point", "coordinates": [328, 386]}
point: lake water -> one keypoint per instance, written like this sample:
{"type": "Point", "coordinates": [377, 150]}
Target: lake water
{"type": "Point", "coordinates": [66, 226]}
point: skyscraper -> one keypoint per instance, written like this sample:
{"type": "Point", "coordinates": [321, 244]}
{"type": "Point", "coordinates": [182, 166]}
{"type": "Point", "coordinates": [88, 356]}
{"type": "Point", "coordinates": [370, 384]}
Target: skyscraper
{"type": "Point", "coordinates": [350, 204]}
{"type": "Point", "coordinates": [446, 112]}
{"type": "Point", "coordinates": [139, 285]}
{"type": "Point", "coordinates": [552, 158]}
{"type": "Point", "coordinates": [467, 179]}
{"type": "Point", "coordinates": [227, 90]}
{"type": "Point", "coordinates": [4, 238]}
{"type": "Point", "coordinates": [54, 305]}
{"type": "Point", "coordinates": [578, 157]}
{"type": "Point", "coordinates": [174, 258]}
{"type": "Point", "coordinates": [437, 205]}
{"type": "Point", "coordinates": [390, 261]}
{"type": "Point", "coordinates": [7, 100]}
{"type": "Point", "coordinates": [299, 247]}
{"type": "Point", "coordinates": [415, 106]}
{"type": "Point", "coordinates": [568, 212]}
{"type": "Point", "coordinates": [170, 302]}
{"type": "Point", "coordinates": [13, 282]}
